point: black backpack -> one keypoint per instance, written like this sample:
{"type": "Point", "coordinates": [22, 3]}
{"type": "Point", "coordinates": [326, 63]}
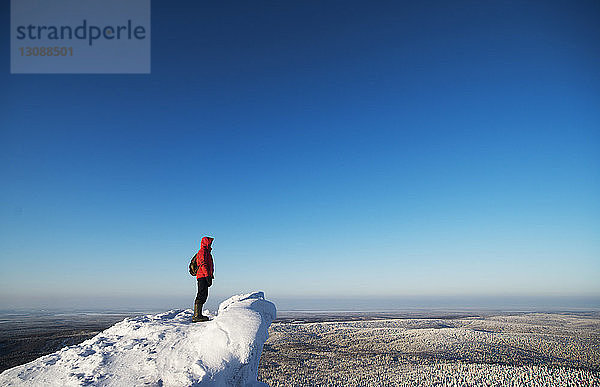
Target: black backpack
{"type": "Point", "coordinates": [193, 265]}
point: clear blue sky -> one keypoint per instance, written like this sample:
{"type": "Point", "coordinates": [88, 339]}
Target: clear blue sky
{"type": "Point", "coordinates": [333, 149]}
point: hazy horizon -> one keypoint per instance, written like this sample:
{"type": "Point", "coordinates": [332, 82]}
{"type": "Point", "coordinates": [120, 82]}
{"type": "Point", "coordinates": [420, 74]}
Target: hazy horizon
{"type": "Point", "coordinates": [288, 304]}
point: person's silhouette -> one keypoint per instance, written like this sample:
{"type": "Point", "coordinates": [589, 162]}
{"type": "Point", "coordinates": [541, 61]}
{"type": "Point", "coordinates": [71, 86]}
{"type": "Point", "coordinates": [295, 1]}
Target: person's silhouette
{"type": "Point", "coordinates": [204, 276]}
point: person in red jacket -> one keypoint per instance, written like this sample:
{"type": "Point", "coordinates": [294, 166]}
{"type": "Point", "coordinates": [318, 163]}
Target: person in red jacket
{"type": "Point", "coordinates": [204, 276]}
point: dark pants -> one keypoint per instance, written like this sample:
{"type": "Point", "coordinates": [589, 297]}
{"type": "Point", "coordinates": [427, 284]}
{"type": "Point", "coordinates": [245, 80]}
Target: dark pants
{"type": "Point", "coordinates": [202, 291]}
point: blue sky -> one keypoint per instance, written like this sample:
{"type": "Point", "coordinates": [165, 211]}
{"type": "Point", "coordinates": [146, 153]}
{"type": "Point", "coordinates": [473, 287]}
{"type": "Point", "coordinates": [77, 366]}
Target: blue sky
{"type": "Point", "coordinates": [333, 149]}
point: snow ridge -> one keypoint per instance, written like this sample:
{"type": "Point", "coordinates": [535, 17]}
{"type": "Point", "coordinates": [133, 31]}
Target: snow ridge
{"type": "Point", "coordinates": [166, 349]}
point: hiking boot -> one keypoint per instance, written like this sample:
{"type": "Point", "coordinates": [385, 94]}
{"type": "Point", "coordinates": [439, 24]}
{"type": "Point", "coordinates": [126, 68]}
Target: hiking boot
{"type": "Point", "coordinates": [198, 317]}
{"type": "Point", "coordinates": [197, 309]}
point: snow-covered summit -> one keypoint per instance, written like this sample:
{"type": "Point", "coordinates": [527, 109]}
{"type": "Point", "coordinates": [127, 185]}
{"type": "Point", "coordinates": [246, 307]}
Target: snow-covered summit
{"type": "Point", "coordinates": [166, 349]}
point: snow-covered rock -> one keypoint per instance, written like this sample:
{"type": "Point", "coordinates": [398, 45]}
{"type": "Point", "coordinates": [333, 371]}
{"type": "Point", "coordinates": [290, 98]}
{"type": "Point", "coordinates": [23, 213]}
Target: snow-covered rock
{"type": "Point", "coordinates": [166, 349]}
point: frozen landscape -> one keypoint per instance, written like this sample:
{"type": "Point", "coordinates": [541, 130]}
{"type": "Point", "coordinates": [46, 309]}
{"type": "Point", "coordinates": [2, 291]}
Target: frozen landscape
{"type": "Point", "coordinates": [26, 335]}
{"type": "Point", "coordinates": [410, 348]}
{"type": "Point", "coordinates": [163, 349]}
{"type": "Point", "coordinates": [533, 349]}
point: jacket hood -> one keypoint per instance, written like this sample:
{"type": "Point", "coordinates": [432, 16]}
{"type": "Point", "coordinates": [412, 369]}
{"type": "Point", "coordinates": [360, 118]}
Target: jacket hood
{"type": "Point", "coordinates": [206, 242]}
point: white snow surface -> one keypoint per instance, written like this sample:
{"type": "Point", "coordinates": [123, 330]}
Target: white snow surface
{"type": "Point", "coordinates": [166, 349]}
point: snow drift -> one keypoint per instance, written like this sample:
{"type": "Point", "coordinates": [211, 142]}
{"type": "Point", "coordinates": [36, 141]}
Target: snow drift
{"type": "Point", "coordinates": [166, 349]}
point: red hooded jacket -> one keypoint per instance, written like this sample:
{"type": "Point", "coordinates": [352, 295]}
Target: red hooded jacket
{"type": "Point", "coordinates": [205, 265]}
